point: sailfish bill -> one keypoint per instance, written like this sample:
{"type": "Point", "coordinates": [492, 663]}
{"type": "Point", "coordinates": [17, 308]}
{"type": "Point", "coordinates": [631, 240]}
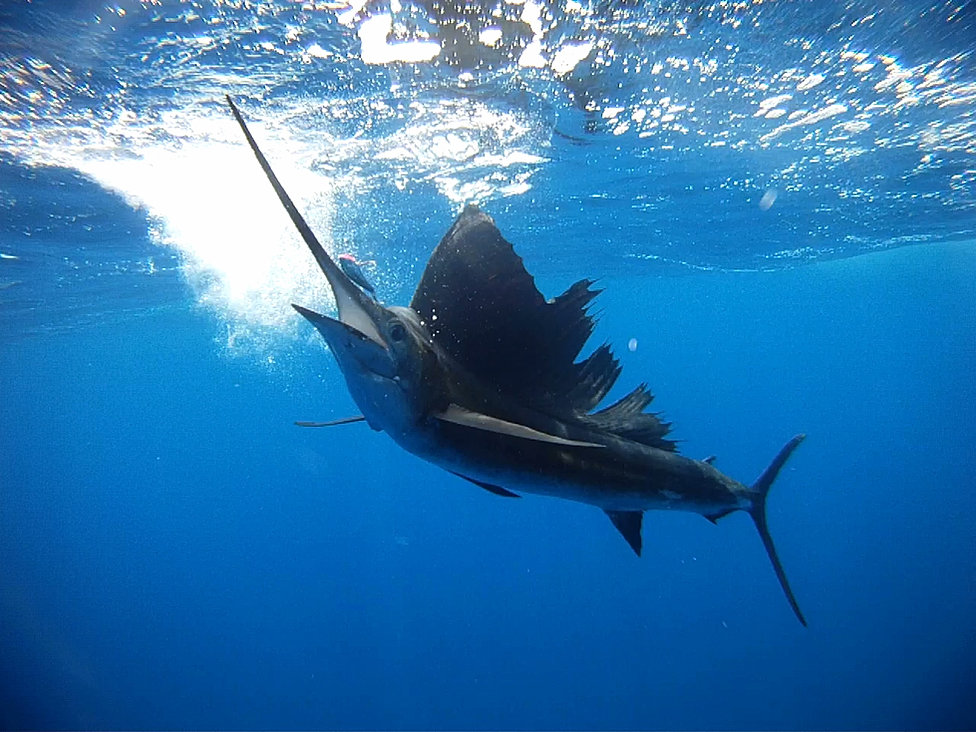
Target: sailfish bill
{"type": "Point", "coordinates": [479, 375]}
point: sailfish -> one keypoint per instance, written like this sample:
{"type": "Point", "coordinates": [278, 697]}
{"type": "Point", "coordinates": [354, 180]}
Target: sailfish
{"type": "Point", "coordinates": [479, 376]}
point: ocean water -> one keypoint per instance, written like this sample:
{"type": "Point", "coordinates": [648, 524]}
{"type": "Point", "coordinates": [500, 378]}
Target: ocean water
{"type": "Point", "coordinates": [779, 201]}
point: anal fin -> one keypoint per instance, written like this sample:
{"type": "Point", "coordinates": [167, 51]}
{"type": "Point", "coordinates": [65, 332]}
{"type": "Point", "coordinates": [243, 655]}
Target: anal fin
{"type": "Point", "coordinates": [628, 523]}
{"type": "Point", "coordinates": [490, 487]}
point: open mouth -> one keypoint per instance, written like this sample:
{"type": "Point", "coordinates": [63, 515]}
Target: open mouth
{"type": "Point", "coordinates": [349, 342]}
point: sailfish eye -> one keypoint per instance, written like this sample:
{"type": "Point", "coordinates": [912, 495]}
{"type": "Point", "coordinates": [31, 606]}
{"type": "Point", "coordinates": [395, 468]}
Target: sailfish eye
{"type": "Point", "coordinates": [397, 332]}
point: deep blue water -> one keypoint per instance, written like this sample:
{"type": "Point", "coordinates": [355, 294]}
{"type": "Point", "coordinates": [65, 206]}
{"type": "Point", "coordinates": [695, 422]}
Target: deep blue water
{"type": "Point", "coordinates": [175, 553]}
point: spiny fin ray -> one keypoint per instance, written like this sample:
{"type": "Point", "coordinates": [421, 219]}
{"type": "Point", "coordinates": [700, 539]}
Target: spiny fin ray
{"type": "Point", "coordinates": [482, 307]}
{"type": "Point", "coordinates": [628, 419]}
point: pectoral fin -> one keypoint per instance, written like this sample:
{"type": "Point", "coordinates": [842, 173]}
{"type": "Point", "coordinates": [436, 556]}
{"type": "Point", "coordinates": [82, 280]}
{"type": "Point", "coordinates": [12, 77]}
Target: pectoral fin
{"type": "Point", "coordinates": [476, 420]}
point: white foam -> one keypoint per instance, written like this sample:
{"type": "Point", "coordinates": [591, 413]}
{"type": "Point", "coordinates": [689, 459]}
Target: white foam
{"type": "Point", "coordinates": [374, 33]}
{"type": "Point", "coordinates": [569, 56]}
{"type": "Point", "coordinates": [810, 82]}
{"type": "Point", "coordinates": [532, 57]}
{"type": "Point", "coordinates": [804, 119]}
{"type": "Point", "coordinates": [490, 36]}
{"type": "Point", "coordinates": [770, 104]}
{"type": "Point", "coordinates": [206, 197]}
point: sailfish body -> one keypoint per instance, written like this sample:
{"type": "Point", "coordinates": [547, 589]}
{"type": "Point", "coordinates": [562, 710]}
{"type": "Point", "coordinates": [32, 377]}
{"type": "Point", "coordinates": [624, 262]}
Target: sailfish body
{"type": "Point", "coordinates": [479, 375]}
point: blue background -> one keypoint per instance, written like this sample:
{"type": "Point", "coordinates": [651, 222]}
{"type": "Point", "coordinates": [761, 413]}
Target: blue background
{"type": "Point", "coordinates": [175, 553]}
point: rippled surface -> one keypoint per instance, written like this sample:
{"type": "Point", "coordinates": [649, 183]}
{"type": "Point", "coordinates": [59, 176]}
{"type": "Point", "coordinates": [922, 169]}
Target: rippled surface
{"type": "Point", "coordinates": [737, 135]}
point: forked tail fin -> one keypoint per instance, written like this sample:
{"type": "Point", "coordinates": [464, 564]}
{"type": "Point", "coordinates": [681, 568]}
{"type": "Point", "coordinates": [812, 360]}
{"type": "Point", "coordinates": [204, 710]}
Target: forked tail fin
{"type": "Point", "coordinates": [758, 512]}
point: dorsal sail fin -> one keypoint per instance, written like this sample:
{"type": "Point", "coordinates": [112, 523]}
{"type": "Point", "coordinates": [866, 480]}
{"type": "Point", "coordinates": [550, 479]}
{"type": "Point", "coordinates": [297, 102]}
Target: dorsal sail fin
{"type": "Point", "coordinates": [628, 419]}
{"type": "Point", "coordinates": [481, 305]}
